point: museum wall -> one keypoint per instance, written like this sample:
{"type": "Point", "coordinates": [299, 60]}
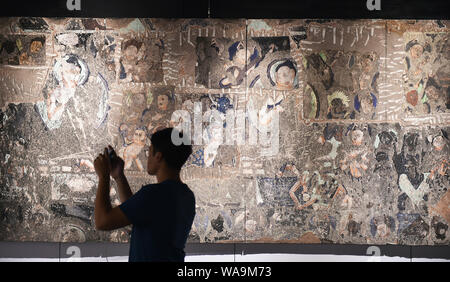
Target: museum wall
{"type": "Point", "coordinates": [303, 131]}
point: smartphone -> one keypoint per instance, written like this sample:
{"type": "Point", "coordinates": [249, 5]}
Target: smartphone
{"type": "Point", "coordinates": [110, 153]}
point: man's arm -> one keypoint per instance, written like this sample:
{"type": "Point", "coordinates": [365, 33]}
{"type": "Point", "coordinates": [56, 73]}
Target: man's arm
{"type": "Point", "coordinates": [123, 187]}
{"type": "Point", "coordinates": [117, 173]}
{"type": "Point", "coordinates": [106, 217]}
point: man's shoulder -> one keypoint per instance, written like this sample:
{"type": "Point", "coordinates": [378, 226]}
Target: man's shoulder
{"type": "Point", "coordinates": [166, 184]}
{"type": "Point", "coordinates": [177, 187]}
{"type": "Point", "coordinates": [150, 185]}
{"type": "Point", "coordinates": [148, 189]}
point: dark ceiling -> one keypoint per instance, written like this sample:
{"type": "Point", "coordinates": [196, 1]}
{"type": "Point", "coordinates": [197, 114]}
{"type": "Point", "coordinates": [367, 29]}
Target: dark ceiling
{"type": "Point", "coordinates": [324, 9]}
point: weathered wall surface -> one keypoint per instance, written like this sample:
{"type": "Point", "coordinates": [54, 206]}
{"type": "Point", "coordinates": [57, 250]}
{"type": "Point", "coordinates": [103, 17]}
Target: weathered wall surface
{"type": "Point", "coordinates": [361, 154]}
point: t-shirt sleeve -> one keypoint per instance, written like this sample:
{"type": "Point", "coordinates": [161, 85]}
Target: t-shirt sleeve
{"type": "Point", "coordinates": [137, 206]}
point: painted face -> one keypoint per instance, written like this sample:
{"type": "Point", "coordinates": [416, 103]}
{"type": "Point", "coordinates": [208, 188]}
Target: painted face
{"type": "Point", "coordinates": [416, 51]}
{"type": "Point", "coordinates": [241, 55]}
{"type": "Point", "coordinates": [131, 53]}
{"type": "Point", "coordinates": [139, 136]}
{"type": "Point", "coordinates": [364, 81]}
{"type": "Point", "coordinates": [432, 93]}
{"type": "Point", "coordinates": [366, 105]}
{"type": "Point", "coordinates": [163, 102]}
{"type": "Point", "coordinates": [35, 47]}
{"type": "Point", "coordinates": [24, 59]}
{"type": "Point", "coordinates": [285, 77]}
{"type": "Point", "coordinates": [438, 143]}
{"type": "Point", "coordinates": [411, 140]}
{"type": "Point", "coordinates": [367, 65]}
{"type": "Point", "coordinates": [357, 137]}
{"type": "Point", "coordinates": [386, 138]}
{"type": "Point", "coordinates": [306, 197]}
{"type": "Point", "coordinates": [337, 107]}
{"type": "Point", "coordinates": [70, 74]}
{"type": "Point", "coordinates": [412, 97]}
{"type": "Point", "coordinates": [382, 230]}
{"type": "Point", "coordinates": [188, 106]}
{"type": "Point", "coordinates": [137, 100]}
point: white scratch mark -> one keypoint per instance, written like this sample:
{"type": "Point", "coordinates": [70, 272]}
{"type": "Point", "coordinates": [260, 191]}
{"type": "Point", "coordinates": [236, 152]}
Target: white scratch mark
{"type": "Point", "coordinates": [367, 40]}
{"type": "Point", "coordinates": [334, 35]}
{"type": "Point", "coordinates": [189, 37]}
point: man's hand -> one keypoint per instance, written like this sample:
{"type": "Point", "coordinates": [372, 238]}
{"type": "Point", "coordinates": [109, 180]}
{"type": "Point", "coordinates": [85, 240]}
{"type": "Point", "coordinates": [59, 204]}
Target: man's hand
{"type": "Point", "coordinates": [117, 164]}
{"type": "Point", "coordinates": [107, 217]}
{"type": "Point", "coordinates": [102, 165]}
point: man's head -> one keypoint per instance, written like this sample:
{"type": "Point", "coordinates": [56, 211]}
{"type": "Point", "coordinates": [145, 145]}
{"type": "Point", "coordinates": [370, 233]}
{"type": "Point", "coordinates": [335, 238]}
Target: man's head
{"type": "Point", "coordinates": [163, 154]}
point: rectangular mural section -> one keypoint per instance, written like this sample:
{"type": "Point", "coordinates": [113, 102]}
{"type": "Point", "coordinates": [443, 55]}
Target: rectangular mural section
{"type": "Point", "coordinates": [303, 131]}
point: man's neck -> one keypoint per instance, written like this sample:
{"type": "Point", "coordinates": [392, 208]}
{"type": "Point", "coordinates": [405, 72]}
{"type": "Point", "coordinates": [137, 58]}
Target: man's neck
{"type": "Point", "coordinates": [166, 174]}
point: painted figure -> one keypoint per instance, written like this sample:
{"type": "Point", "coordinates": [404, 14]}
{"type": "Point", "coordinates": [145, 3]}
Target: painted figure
{"type": "Point", "coordinates": [69, 72]}
{"type": "Point", "coordinates": [241, 63]}
{"type": "Point", "coordinates": [303, 181]}
{"type": "Point", "coordinates": [440, 157]}
{"type": "Point", "coordinates": [133, 146]}
{"type": "Point", "coordinates": [283, 74]}
{"type": "Point", "coordinates": [411, 180]}
{"type": "Point", "coordinates": [338, 105]}
{"type": "Point", "coordinates": [426, 83]}
{"type": "Point", "coordinates": [141, 61]}
{"type": "Point", "coordinates": [356, 160]}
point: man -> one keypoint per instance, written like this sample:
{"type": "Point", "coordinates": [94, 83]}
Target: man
{"type": "Point", "coordinates": [161, 214]}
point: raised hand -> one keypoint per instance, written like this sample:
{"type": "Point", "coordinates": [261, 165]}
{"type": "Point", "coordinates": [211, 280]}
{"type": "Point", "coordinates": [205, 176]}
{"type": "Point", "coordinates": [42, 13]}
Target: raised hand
{"type": "Point", "coordinates": [117, 164]}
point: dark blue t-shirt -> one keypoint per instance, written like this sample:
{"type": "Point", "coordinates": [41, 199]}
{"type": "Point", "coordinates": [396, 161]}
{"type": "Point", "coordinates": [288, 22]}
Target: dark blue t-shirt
{"type": "Point", "coordinates": [162, 216]}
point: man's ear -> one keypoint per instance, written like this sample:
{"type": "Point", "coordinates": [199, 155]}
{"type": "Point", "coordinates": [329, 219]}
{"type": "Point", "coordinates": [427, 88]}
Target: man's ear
{"type": "Point", "coordinates": [158, 156]}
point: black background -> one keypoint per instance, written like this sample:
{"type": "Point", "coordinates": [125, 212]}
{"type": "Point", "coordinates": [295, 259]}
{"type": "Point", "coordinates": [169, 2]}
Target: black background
{"type": "Point", "coordinates": [295, 9]}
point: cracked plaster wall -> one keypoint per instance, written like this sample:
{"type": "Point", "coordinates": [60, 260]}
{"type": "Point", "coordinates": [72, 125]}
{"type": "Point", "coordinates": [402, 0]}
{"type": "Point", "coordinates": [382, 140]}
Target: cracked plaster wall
{"type": "Point", "coordinates": [364, 115]}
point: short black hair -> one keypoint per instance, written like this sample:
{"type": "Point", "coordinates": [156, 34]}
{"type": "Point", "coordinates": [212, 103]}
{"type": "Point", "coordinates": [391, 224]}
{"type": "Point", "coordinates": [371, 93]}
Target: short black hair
{"type": "Point", "coordinates": [175, 156]}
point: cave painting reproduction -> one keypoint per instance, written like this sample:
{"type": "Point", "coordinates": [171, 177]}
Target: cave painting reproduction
{"type": "Point", "coordinates": [261, 62]}
{"type": "Point", "coordinates": [341, 85]}
{"type": "Point", "coordinates": [303, 131]}
{"type": "Point", "coordinates": [425, 85]}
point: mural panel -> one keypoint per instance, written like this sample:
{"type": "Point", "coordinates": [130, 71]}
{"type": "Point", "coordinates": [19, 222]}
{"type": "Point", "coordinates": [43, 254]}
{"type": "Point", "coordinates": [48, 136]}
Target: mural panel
{"type": "Point", "coordinates": [426, 87]}
{"type": "Point", "coordinates": [303, 131]}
